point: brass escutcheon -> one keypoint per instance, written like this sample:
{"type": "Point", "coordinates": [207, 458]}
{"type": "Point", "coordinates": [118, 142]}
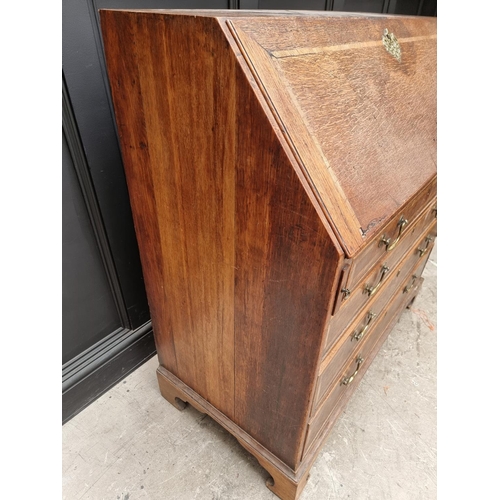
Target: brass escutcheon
{"type": "Point", "coordinates": [391, 44]}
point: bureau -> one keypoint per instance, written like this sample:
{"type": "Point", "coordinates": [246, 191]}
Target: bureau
{"type": "Point", "coordinates": [281, 168]}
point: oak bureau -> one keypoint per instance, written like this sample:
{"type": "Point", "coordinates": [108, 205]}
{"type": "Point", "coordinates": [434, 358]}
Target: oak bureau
{"type": "Point", "coordinates": [281, 168]}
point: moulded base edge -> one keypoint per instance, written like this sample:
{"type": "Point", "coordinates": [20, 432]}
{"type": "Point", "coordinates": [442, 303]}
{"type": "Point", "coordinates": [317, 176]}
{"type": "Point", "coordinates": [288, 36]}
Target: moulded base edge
{"type": "Point", "coordinates": [284, 482]}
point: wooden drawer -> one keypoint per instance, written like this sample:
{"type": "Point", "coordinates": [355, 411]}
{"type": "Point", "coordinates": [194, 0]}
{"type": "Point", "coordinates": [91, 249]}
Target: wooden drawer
{"type": "Point", "coordinates": [347, 344]}
{"type": "Point", "coordinates": [376, 250]}
{"type": "Point", "coordinates": [389, 281]}
{"type": "Point", "coordinates": [379, 302]}
{"type": "Point", "coordinates": [342, 351]}
{"type": "Point", "coordinates": [354, 370]}
{"type": "Point", "coordinates": [336, 357]}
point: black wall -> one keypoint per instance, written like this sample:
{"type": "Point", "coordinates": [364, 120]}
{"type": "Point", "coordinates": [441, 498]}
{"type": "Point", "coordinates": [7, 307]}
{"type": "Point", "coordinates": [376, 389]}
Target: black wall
{"type": "Point", "coordinates": [83, 273]}
{"type": "Point", "coordinates": [106, 326]}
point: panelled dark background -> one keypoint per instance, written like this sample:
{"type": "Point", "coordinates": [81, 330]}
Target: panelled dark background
{"type": "Point", "coordinates": [106, 325]}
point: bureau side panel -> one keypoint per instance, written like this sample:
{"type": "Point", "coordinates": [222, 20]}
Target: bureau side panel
{"type": "Point", "coordinates": [285, 268]}
{"type": "Point", "coordinates": [174, 104]}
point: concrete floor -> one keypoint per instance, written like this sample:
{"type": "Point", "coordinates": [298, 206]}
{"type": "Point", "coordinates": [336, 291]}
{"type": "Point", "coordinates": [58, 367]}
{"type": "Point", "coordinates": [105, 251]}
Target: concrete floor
{"type": "Point", "coordinates": [131, 444]}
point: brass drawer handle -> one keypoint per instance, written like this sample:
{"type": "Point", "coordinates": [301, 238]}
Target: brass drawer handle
{"type": "Point", "coordinates": [410, 287]}
{"type": "Point", "coordinates": [360, 335]}
{"type": "Point", "coordinates": [435, 212]}
{"type": "Point", "coordinates": [348, 380]}
{"type": "Point", "coordinates": [370, 290]}
{"type": "Point", "coordinates": [387, 241]}
{"type": "Point", "coordinates": [423, 251]}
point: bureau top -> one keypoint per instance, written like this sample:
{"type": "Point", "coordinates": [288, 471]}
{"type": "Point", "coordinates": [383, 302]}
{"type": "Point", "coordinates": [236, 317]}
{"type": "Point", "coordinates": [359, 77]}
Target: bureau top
{"type": "Point", "coordinates": [355, 98]}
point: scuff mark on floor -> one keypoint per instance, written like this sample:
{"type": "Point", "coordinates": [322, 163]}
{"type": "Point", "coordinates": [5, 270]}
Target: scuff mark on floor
{"type": "Point", "coordinates": [423, 316]}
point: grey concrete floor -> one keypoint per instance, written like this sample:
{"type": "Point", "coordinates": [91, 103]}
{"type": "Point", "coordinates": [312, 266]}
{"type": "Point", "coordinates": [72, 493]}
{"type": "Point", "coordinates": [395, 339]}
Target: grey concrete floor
{"type": "Point", "coordinates": [131, 444]}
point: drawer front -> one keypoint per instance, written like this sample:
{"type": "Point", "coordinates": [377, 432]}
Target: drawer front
{"type": "Point", "coordinates": [351, 338]}
{"type": "Point", "coordinates": [357, 366]}
{"type": "Point", "coordinates": [347, 345]}
{"type": "Point", "coordinates": [395, 249]}
{"type": "Point", "coordinates": [380, 282]}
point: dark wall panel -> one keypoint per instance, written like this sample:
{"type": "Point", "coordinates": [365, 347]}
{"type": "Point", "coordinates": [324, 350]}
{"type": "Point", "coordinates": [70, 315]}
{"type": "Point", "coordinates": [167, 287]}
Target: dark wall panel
{"type": "Point", "coordinates": [407, 7]}
{"type": "Point", "coordinates": [89, 311]}
{"type": "Point", "coordinates": [161, 4]}
{"type": "Point", "coordinates": [376, 6]}
{"type": "Point", "coordinates": [292, 4]}
{"type": "Point", "coordinates": [86, 82]}
{"type": "Point", "coordinates": [429, 8]}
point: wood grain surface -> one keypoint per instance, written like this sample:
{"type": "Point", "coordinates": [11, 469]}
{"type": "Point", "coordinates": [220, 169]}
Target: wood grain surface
{"type": "Point", "coordinates": [238, 264]}
{"type": "Point", "coordinates": [326, 414]}
{"type": "Point", "coordinates": [263, 155]}
{"type": "Point", "coordinates": [284, 482]}
{"type": "Point", "coordinates": [344, 342]}
{"type": "Point", "coordinates": [306, 152]}
{"type": "Point", "coordinates": [286, 265]}
{"type": "Point", "coordinates": [375, 250]}
{"type": "Point", "coordinates": [181, 181]}
{"type": "Point", "coordinates": [354, 113]}
{"type": "Point", "coordinates": [359, 298]}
